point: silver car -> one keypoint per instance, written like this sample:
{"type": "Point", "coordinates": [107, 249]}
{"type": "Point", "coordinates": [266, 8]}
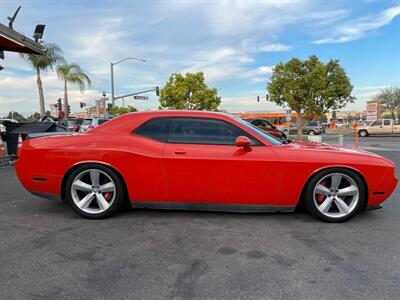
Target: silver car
{"type": "Point", "coordinates": [310, 130]}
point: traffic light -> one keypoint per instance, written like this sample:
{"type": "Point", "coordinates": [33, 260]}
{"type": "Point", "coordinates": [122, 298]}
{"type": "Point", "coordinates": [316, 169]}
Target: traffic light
{"type": "Point", "coordinates": [59, 106]}
{"type": "Point", "coordinates": [157, 91]}
{"type": "Point", "coordinates": [258, 98]}
{"type": "Point", "coordinates": [267, 97]}
{"type": "Point", "coordinates": [109, 106]}
{"type": "Point", "coordinates": [68, 108]}
{"type": "Point", "coordinates": [82, 105]}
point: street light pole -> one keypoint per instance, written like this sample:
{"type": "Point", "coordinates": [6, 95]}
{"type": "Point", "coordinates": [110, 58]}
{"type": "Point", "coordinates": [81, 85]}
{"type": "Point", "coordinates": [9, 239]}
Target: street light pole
{"type": "Point", "coordinates": [112, 76]}
{"type": "Point", "coordinates": [112, 85]}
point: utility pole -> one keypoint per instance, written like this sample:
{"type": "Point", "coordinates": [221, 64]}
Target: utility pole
{"type": "Point", "coordinates": [112, 76]}
{"type": "Point", "coordinates": [112, 85]}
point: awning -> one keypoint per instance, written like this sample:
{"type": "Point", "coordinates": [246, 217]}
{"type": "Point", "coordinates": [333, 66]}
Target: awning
{"type": "Point", "coordinates": [10, 40]}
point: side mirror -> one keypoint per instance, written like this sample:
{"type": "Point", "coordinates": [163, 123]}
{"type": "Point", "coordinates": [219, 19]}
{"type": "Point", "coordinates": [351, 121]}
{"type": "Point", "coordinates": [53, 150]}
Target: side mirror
{"type": "Point", "coordinates": [243, 142]}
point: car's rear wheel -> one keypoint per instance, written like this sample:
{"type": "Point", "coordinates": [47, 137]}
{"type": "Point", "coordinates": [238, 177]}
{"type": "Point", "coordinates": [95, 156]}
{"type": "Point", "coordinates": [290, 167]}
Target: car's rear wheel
{"type": "Point", "coordinates": [94, 191]}
{"type": "Point", "coordinates": [335, 195]}
{"type": "Point", "coordinates": [311, 132]}
{"type": "Point", "coordinates": [363, 133]}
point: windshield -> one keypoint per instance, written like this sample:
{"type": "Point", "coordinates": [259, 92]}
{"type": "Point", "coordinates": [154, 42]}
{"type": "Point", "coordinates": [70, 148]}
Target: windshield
{"type": "Point", "coordinates": [262, 134]}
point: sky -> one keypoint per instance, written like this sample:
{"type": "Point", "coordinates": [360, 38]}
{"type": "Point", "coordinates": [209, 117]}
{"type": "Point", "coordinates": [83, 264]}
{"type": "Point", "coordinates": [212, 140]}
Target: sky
{"type": "Point", "coordinates": [235, 43]}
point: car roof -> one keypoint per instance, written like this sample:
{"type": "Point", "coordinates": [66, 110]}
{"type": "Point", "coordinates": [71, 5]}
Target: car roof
{"type": "Point", "coordinates": [128, 121]}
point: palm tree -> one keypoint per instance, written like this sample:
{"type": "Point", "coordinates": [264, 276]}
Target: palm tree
{"type": "Point", "coordinates": [52, 56]}
{"type": "Point", "coordinates": [73, 74]}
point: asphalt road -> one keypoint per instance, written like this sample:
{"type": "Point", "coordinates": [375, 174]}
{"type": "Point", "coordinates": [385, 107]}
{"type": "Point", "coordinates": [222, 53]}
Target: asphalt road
{"type": "Point", "coordinates": [46, 251]}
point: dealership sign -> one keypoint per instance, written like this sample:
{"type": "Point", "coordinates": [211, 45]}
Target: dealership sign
{"type": "Point", "coordinates": [372, 111]}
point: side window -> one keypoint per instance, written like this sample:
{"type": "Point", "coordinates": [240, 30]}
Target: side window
{"type": "Point", "coordinates": [205, 131]}
{"type": "Point", "coordinates": [265, 124]}
{"type": "Point", "coordinates": [156, 129]}
{"type": "Point", "coordinates": [386, 122]}
{"type": "Point", "coordinates": [101, 121]}
{"type": "Point", "coordinates": [377, 123]}
{"type": "Point", "coordinates": [256, 122]}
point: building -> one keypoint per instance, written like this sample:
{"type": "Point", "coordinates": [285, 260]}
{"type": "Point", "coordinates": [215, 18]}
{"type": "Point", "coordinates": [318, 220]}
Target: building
{"type": "Point", "coordinates": [344, 116]}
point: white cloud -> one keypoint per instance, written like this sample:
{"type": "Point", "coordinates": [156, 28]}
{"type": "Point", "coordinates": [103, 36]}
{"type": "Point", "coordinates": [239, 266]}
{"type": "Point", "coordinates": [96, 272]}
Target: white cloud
{"type": "Point", "coordinates": [275, 48]}
{"type": "Point", "coordinates": [247, 103]}
{"type": "Point", "coordinates": [359, 28]}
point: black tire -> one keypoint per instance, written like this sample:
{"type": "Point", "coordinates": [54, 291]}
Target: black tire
{"type": "Point", "coordinates": [363, 133]}
{"type": "Point", "coordinates": [309, 194]}
{"type": "Point", "coordinates": [119, 192]}
{"type": "Point", "coordinates": [311, 132]}
{"type": "Point", "coordinates": [284, 137]}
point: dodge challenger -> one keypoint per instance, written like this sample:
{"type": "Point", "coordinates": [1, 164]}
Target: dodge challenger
{"type": "Point", "coordinates": [200, 160]}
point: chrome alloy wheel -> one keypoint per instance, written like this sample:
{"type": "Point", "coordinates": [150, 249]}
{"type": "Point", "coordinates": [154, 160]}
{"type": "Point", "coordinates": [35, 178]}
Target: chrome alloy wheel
{"type": "Point", "coordinates": [336, 195]}
{"type": "Point", "coordinates": [93, 191]}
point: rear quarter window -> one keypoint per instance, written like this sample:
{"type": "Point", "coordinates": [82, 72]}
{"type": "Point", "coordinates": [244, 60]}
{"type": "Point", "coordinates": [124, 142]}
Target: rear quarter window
{"type": "Point", "coordinates": [155, 129]}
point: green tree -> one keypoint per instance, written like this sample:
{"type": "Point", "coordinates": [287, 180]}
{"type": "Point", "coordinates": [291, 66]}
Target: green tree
{"type": "Point", "coordinates": [16, 116]}
{"type": "Point", "coordinates": [72, 74]}
{"type": "Point", "coordinates": [52, 56]}
{"type": "Point", "coordinates": [117, 111]}
{"type": "Point", "coordinates": [34, 117]}
{"type": "Point", "coordinates": [310, 87]}
{"type": "Point", "coordinates": [188, 91]}
{"type": "Point", "coordinates": [391, 100]}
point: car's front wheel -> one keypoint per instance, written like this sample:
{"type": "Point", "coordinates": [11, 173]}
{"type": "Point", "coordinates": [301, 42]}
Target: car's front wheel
{"type": "Point", "coordinates": [335, 195]}
{"type": "Point", "coordinates": [311, 132]}
{"type": "Point", "coordinates": [94, 191]}
{"type": "Point", "coordinates": [363, 133]}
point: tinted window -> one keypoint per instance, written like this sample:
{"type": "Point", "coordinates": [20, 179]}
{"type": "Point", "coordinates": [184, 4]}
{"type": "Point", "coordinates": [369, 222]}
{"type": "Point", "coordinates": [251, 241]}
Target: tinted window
{"type": "Point", "coordinates": [313, 124]}
{"type": "Point", "coordinates": [101, 121]}
{"type": "Point", "coordinates": [386, 122]}
{"type": "Point", "coordinates": [156, 129]}
{"type": "Point", "coordinates": [205, 131]}
{"type": "Point", "coordinates": [256, 122]}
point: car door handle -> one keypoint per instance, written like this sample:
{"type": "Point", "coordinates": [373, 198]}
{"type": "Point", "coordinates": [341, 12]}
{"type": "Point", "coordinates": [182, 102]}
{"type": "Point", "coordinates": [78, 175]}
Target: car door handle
{"type": "Point", "coordinates": [180, 152]}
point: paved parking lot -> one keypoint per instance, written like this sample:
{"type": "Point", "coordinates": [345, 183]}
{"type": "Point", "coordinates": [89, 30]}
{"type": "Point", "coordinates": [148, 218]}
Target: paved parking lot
{"type": "Point", "coordinates": [46, 251]}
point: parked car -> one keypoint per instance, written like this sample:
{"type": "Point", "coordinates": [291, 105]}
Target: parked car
{"type": "Point", "coordinates": [266, 126]}
{"type": "Point", "coordinates": [74, 124]}
{"type": "Point", "coordinates": [310, 130]}
{"type": "Point", "coordinates": [88, 124]}
{"type": "Point", "coordinates": [318, 124]}
{"type": "Point", "coordinates": [200, 160]}
{"type": "Point", "coordinates": [384, 126]}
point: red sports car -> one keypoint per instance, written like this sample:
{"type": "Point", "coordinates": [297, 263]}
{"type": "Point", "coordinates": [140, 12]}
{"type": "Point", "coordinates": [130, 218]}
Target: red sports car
{"type": "Point", "coordinates": [200, 160]}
